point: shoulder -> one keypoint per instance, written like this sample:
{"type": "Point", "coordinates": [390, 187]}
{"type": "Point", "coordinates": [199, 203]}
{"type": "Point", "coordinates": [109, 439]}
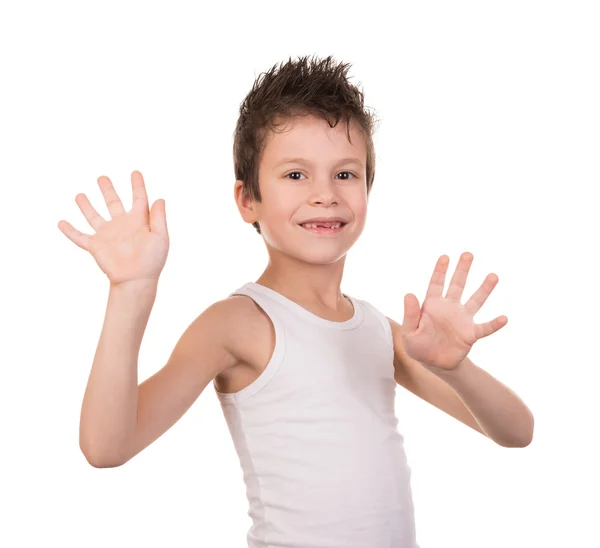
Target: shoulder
{"type": "Point", "coordinates": [245, 324]}
{"type": "Point", "coordinates": [394, 326]}
{"type": "Point", "coordinates": [400, 356]}
{"type": "Point", "coordinates": [399, 353]}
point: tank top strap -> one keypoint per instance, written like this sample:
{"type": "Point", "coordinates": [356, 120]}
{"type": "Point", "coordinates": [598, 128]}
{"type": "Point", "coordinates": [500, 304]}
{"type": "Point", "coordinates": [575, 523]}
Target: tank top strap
{"type": "Point", "coordinates": [275, 314]}
{"type": "Point", "coordinates": [271, 307]}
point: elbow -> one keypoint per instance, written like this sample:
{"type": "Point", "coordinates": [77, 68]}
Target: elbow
{"type": "Point", "coordinates": [98, 459]}
{"type": "Point", "coordinates": [514, 443]}
{"type": "Point", "coordinates": [523, 443]}
{"type": "Point", "coordinates": [525, 438]}
{"type": "Point", "coordinates": [529, 437]}
{"type": "Point", "coordinates": [104, 464]}
{"type": "Point", "coordinates": [100, 462]}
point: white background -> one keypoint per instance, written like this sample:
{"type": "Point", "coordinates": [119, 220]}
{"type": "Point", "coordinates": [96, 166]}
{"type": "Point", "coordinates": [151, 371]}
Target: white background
{"type": "Point", "coordinates": [489, 142]}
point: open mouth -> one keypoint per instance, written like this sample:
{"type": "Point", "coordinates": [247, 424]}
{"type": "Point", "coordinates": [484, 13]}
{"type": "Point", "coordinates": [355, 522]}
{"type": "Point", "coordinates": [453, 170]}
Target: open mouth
{"type": "Point", "coordinates": [323, 228]}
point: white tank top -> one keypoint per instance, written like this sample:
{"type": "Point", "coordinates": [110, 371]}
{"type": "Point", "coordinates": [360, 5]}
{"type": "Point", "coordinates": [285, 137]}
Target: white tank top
{"type": "Point", "coordinates": [316, 433]}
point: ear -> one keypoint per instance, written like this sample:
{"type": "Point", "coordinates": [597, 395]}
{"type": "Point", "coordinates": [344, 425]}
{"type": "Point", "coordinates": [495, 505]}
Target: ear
{"type": "Point", "coordinates": [246, 206]}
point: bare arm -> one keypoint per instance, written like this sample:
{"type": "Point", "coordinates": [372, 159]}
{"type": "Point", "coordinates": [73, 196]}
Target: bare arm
{"type": "Point", "coordinates": [205, 349]}
{"type": "Point", "coordinates": [118, 417]}
{"type": "Point", "coordinates": [123, 418]}
{"type": "Point", "coordinates": [109, 408]}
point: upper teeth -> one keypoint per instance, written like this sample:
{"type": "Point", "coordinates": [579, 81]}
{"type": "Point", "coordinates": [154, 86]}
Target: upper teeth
{"type": "Point", "coordinates": [336, 224]}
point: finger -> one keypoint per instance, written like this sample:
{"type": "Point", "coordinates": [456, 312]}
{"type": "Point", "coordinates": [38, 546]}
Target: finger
{"type": "Point", "coordinates": [92, 216]}
{"type": "Point", "coordinates": [485, 329]}
{"type": "Point", "coordinates": [113, 202]}
{"type": "Point", "coordinates": [412, 312]}
{"type": "Point", "coordinates": [158, 219]}
{"type": "Point", "coordinates": [140, 197]}
{"type": "Point", "coordinates": [457, 283]}
{"type": "Point", "coordinates": [474, 304]}
{"type": "Point", "coordinates": [436, 284]}
{"type": "Point", "coordinates": [78, 238]}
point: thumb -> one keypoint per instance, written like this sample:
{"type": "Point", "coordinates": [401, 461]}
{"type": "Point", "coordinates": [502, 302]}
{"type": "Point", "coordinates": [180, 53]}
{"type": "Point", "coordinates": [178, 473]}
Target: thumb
{"type": "Point", "coordinates": [158, 218]}
{"type": "Point", "coordinates": [412, 312]}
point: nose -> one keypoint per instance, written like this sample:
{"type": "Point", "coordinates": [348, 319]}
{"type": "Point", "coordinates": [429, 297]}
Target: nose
{"type": "Point", "coordinates": [324, 191]}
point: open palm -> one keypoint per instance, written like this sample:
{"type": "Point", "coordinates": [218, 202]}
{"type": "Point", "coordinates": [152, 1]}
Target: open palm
{"type": "Point", "coordinates": [131, 246]}
{"type": "Point", "coordinates": [442, 332]}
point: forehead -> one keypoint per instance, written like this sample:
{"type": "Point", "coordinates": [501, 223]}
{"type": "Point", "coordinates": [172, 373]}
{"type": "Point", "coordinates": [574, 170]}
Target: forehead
{"type": "Point", "coordinates": [313, 138]}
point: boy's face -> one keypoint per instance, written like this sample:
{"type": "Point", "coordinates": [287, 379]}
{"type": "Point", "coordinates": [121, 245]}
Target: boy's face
{"type": "Point", "coordinates": [330, 181]}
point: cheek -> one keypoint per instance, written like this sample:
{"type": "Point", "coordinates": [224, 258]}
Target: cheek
{"type": "Point", "coordinates": [280, 208]}
{"type": "Point", "coordinates": [359, 207]}
{"type": "Point", "coordinates": [283, 201]}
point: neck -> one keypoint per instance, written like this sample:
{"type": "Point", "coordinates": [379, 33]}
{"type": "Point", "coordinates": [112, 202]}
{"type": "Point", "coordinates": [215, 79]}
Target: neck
{"type": "Point", "coordinates": [317, 284]}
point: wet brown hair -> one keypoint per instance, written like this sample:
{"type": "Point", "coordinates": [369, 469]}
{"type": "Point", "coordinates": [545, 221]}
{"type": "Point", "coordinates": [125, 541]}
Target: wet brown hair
{"type": "Point", "coordinates": [317, 87]}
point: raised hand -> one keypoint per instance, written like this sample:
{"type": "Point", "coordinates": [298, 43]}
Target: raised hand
{"type": "Point", "coordinates": [441, 333]}
{"type": "Point", "coordinates": [133, 245]}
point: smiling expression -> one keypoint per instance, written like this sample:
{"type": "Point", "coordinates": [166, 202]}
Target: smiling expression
{"type": "Point", "coordinates": [309, 170]}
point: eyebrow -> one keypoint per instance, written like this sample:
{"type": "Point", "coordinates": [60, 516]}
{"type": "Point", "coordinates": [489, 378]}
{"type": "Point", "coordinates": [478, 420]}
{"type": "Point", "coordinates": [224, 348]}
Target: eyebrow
{"type": "Point", "coordinates": [306, 162]}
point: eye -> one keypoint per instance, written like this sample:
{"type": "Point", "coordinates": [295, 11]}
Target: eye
{"type": "Point", "coordinates": [298, 173]}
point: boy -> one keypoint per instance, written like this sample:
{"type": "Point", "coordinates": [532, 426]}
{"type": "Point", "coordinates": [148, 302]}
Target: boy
{"type": "Point", "coordinates": [305, 374]}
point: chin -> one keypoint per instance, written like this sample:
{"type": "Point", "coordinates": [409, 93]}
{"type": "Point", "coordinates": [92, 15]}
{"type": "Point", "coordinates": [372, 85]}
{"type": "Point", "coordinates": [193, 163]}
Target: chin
{"type": "Point", "coordinates": [318, 256]}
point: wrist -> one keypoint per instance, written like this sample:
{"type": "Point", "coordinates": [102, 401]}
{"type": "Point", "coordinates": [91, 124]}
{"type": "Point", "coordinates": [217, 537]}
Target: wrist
{"type": "Point", "coordinates": [134, 291]}
{"type": "Point", "coordinates": [141, 285]}
{"type": "Point", "coordinates": [458, 373]}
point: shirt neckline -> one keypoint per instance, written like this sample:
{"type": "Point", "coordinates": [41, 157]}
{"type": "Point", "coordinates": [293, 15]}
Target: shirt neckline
{"type": "Point", "coordinates": [299, 310]}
